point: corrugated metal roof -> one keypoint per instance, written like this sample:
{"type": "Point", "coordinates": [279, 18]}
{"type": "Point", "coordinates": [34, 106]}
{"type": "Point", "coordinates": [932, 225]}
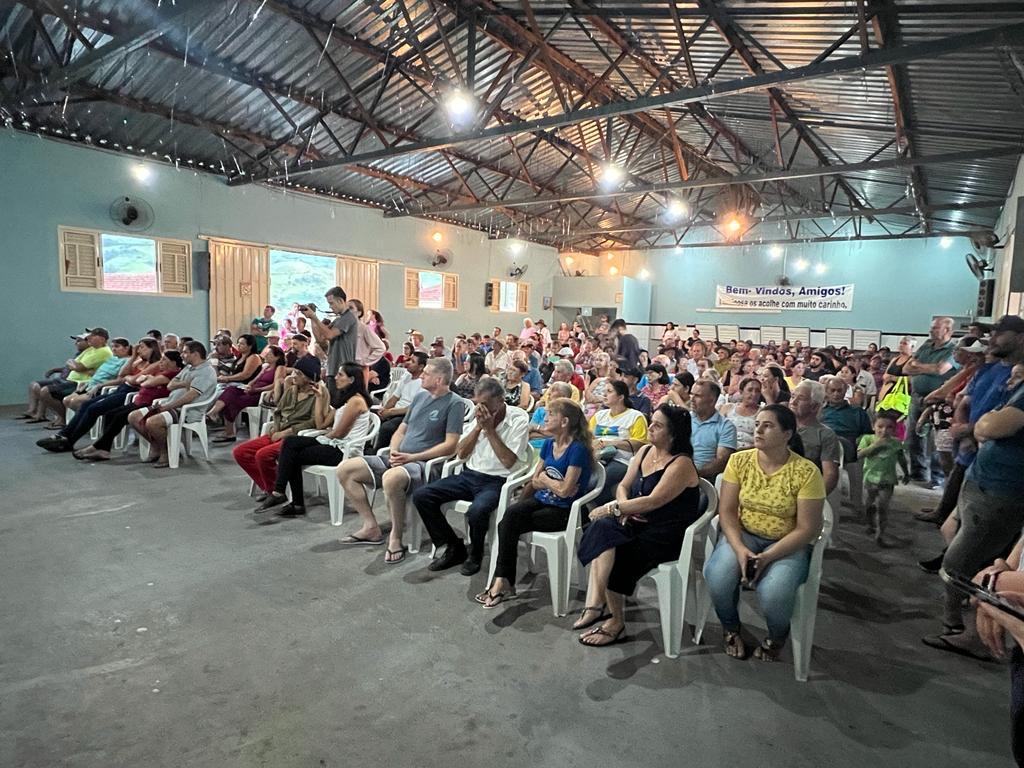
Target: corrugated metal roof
{"type": "Point", "coordinates": [238, 87]}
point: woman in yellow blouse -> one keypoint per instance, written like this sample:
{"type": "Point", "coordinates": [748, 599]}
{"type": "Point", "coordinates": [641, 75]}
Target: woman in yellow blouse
{"type": "Point", "coordinates": [770, 513]}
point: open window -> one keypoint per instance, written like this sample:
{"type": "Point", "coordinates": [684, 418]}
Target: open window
{"type": "Point", "coordinates": [431, 290]}
{"type": "Point", "coordinates": [103, 262]}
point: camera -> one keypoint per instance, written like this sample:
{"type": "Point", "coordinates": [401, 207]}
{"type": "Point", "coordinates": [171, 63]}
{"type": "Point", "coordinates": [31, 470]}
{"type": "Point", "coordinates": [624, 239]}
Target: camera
{"type": "Point", "coordinates": [307, 307]}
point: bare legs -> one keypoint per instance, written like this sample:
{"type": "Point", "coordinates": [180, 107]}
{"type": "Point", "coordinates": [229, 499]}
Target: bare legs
{"type": "Point", "coordinates": [354, 476]}
{"type": "Point", "coordinates": [598, 594]}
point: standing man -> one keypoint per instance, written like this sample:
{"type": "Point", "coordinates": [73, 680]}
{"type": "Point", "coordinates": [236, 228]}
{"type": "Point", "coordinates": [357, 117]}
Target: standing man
{"type": "Point", "coordinates": [931, 365]}
{"type": "Point", "coordinates": [627, 348]}
{"type": "Point", "coordinates": [262, 327]}
{"type": "Point", "coordinates": [493, 445]}
{"type": "Point", "coordinates": [849, 423]}
{"type": "Point", "coordinates": [339, 337]}
{"type": "Point", "coordinates": [990, 509]}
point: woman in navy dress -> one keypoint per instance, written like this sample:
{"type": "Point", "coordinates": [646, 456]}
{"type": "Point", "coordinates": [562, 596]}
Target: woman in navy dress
{"type": "Point", "coordinates": [642, 527]}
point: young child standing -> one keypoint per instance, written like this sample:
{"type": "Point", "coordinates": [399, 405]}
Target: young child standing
{"type": "Point", "coordinates": [881, 452]}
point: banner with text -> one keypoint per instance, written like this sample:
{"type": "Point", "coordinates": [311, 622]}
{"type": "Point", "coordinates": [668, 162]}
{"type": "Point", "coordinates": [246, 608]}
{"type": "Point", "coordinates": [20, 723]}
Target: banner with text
{"type": "Point", "coordinates": [819, 298]}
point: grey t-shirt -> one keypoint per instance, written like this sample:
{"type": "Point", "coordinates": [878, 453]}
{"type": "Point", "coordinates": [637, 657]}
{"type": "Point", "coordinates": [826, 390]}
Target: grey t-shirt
{"type": "Point", "coordinates": [202, 378]}
{"type": "Point", "coordinates": [342, 348]}
{"type": "Point", "coordinates": [429, 419]}
{"type": "Point", "coordinates": [820, 443]}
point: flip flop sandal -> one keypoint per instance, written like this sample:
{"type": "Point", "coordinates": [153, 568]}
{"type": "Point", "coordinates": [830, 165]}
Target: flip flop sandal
{"type": "Point", "coordinates": [494, 601]}
{"type": "Point", "coordinates": [396, 555]}
{"type": "Point", "coordinates": [55, 427]}
{"type": "Point", "coordinates": [733, 640]}
{"type": "Point", "coordinates": [768, 651]}
{"type": "Point", "coordinates": [618, 637]}
{"type": "Point", "coordinates": [943, 643]}
{"type": "Point", "coordinates": [34, 421]}
{"type": "Point", "coordinates": [601, 616]}
{"type": "Point", "coordinates": [353, 539]}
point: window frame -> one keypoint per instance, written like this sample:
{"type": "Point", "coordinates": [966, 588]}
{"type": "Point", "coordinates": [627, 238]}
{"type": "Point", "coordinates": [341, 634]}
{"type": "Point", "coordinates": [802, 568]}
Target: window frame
{"type": "Point", "coordinates": [449, 280]}
{"type": "Point", "coordinates": [522, 296]}
{"type": "Point", "coordinates": [98, 234]}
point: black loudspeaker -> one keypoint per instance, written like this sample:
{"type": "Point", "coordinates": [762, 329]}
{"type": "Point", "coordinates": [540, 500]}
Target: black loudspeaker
{"type": "Point", "coordinates": [488, 293]}
{"type": "Point", "coordinates": [986, 297]}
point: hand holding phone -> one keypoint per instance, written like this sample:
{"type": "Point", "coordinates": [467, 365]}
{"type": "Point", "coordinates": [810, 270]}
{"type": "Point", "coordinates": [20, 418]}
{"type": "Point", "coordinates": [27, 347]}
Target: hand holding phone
{"type": "Point", "coordinates": [982, 593]}
{"type": "Point", "coordinates": [750, 569]}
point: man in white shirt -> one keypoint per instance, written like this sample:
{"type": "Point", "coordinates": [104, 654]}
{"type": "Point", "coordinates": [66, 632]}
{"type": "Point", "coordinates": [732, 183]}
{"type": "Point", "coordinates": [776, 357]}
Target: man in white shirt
{"type": "Point", "coordinates": [864, 379]}
{"type": "Point", "coordinates": [497, 360]}
{"type": "Point", "coordinates": [393, 410]}
{"type": "Point", "coordinates": [493, 445]}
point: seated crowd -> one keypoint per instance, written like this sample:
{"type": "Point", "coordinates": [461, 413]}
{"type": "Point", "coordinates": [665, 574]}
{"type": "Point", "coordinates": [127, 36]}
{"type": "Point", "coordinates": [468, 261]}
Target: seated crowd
{"type": "Point", "coordinates": [774, 425]}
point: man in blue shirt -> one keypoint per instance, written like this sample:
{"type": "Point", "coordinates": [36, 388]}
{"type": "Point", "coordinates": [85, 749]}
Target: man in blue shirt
{"type": "Point", "coordinates": [930, 366]}
{"type": "Point", "coordinates": [713, 436]}
{"type": "Point", "coordinates": [991, 513]}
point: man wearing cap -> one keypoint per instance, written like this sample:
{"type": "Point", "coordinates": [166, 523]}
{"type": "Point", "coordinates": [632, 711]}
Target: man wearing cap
{"type": "Point", "coordinates": [80, 370]}
{"type": "Point", "coordinates": [543, 334]}
{"type": "Point", "coordinates": [990, 510]}
{"type": "Point", "coordinates": [108, 371]}
{"type": "Point", "coordinates": [931, 364]}
{"type": "Point", "coordinates": [297, 401]}
{"type": "Point", "coordinates": [497, 360]}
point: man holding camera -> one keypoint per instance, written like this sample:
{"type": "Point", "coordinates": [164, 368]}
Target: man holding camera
{"type": "Point", "coordinates": [338, 337]}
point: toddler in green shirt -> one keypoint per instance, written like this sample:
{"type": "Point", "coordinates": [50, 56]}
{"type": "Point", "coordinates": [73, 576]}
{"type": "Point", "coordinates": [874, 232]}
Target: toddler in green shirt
{"type": "Point", "coordinates": [881, 452]}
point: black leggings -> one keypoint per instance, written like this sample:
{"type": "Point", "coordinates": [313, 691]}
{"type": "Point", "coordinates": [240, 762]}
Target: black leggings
{"type": "Point", "coordinates": [299, 452]}
{"type": "Point", "coordinates": [524, 516]}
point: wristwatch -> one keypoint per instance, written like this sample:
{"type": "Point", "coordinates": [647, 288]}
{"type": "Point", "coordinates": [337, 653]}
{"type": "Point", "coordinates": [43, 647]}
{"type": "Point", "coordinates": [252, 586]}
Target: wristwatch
{"type": "Point", "coordinates": [615, 509]}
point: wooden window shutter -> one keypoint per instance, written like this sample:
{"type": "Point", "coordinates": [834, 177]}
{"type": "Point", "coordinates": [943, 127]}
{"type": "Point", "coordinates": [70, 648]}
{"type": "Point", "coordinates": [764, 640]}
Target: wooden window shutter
{"type": "Point", "coordinates": [80, 255]}
{"type": "Point", "coordinates": [412, 288]}
{"type": "Point", "coordinates": [451, 291]}
{"type": "Point", "coordinates": [523, 298]}
{"type": "Point", "coordinates": [175, 268]}
{"type": "Point", "coordinates": [495, 295]}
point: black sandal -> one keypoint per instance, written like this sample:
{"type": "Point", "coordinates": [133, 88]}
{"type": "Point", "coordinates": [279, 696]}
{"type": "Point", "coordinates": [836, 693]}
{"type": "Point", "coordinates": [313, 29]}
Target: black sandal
{"type": "Point", "coordinates": [768, 651]}
{"type": "Point", "coordinates": [601, 616]}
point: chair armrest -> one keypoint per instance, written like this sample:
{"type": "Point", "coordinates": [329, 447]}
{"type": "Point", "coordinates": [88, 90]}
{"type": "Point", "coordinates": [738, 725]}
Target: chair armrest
{"type": "Point", "coordinates": [312, 432]}
{"type": "Point", "coordinates": [452, 467]}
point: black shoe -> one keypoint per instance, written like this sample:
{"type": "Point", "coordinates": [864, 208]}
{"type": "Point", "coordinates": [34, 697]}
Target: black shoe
{"type": "Point", "coordinates": [272, 500]}
{"type": "Point", "coordinates": [932, 565]}
{"type": "Point", "coordinates": [469, 567]}
{"type": "Point", "coordinates": [261, 498]}
{"type": "Point", "coordinates": [55, 444]}
{"type": "Point", "coordinates": [454, 554]}
{"type": "Point", "coordinates": [291, 510]}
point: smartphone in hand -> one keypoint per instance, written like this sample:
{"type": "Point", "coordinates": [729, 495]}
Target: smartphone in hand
{"type": "Point", "coordinates": [982, 593]}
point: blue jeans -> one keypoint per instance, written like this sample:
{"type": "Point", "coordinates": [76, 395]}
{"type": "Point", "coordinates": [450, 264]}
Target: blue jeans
{"type": "Point", "coordinates": [776, 587]}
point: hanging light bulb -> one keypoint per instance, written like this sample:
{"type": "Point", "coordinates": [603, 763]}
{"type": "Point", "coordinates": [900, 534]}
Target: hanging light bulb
{"type": "Point", "coordinates": [459, 105]}
{"type": "Point", "coordinates": [676, 210]}
{"type": "Point", "coordinates": [611, 175]}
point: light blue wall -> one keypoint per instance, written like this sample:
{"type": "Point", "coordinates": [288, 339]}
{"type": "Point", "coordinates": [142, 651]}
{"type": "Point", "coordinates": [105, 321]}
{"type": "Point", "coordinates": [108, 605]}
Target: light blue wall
{"type": "Point", "coordinates": [636, 300]}
{"type": "Point", "coordinates": [46, 184]}
{"type": "Point", "coordinates": [899, 284]}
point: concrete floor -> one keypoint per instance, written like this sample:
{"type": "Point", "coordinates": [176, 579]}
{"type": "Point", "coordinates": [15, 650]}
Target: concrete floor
{"type": "Point", "coordinates": [147, 621]}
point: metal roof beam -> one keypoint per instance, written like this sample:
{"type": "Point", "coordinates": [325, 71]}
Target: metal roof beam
{"type": "Point", "coordinates": [803, 240]}
{"type": "Point", "coordinates": [872, 60]}
{"type": "Point", "coordinates": [757, 178]}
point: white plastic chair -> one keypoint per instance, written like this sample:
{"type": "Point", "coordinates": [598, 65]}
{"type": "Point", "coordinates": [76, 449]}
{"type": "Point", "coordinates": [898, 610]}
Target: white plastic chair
{"type": "Point", "coordinates": [413, 533]}
{"type": "Point", "coordinates": [257, 414]}
{"type": "Point", "coordinates": [380, 396]}
{"type": "Point", "coordinates": [805, 611]}
{"type": "Point", "coordinates": [512, 483]}
{"type": "Point", "coordinates": [329, 475]}
{"type": "Point", "coordinates": [679, 585]}
{"type": "Point", "coordinates": [559, 546]}
{"type": "Point", "coordinates": [180, 435]}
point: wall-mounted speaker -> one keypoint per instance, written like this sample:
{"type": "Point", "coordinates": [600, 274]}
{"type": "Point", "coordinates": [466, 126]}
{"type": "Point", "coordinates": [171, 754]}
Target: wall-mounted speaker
{"type": "Point", "coordinates": [986, 297]}
{"type": "Point", "coordinates": [488, 293]}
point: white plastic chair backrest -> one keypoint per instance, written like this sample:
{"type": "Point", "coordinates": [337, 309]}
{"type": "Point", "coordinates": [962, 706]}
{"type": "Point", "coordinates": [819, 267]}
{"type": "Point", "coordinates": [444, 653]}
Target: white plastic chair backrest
{"type": "Point", "coordinates": [842, 454]}
{"type": "Point", "coordinates": [371, 436]}
{"type": "Point", "coordinates": [594, 488]}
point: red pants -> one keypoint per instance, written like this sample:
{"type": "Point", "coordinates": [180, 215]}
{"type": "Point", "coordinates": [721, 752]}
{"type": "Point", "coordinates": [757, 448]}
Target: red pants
{"type": "Point", "coordinates": [258, 457]}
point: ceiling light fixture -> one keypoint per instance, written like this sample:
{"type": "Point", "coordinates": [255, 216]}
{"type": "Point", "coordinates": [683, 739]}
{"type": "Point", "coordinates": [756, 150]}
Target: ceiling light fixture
{"type": "Point", "coordinates": [515, 246]}
{"type": "Point", "coordinates": [946, 242]}
{"type": "Point", "coordinates": [820, 268]}
{"type": "Point", "coordinates": [676, 210]}
{"type": "Point", "coordinates": [775, 252]}
{"type": "Point", "coordinates": [613, 271]}
{"type": "Point", "coordinates": [800, 265]}
{"type": "Point", "coordinates": [569, 260]}
{"type": "Point", "coordinates": [140, 172]}
{"type": "Point", "coordinates": [459, 105]}
{"type": "Point", "coordinates": [644, 274]}
{"type": "Point", "coordinates": [611, 175]}
{"type": "Point", "coordinates": [437, 237]}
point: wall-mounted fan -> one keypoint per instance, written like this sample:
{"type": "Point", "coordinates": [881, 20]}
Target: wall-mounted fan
{"type": "Point", "coordinates": [977, 265]}
{"type": "Point", "coordinates": [516, 272]}
{"type": "Point", "coordinates": [132, 213]}
{"type": "Point", "coordinates": [442, 257]}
